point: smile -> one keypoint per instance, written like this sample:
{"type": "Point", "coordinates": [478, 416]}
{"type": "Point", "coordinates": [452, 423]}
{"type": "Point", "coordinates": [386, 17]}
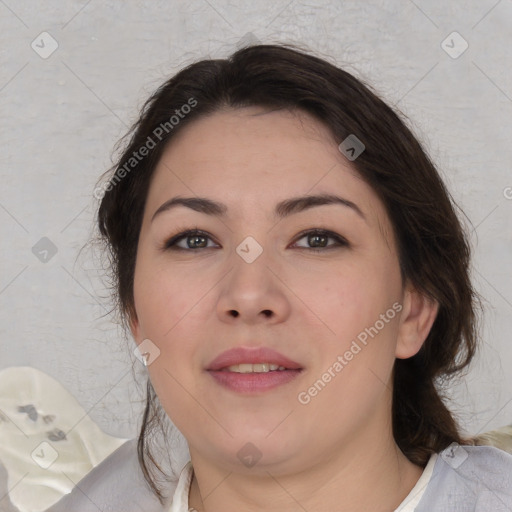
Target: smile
{"type": "Point", "coordinates": [253, 368]}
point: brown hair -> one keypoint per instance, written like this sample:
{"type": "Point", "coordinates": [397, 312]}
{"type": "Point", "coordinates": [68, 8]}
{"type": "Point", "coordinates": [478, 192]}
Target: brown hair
{"type": "Point", "coordinates": [433, 249]}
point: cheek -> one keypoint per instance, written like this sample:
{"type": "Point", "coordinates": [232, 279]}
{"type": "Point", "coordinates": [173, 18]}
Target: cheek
{"type": "Point", "coordinates": [164, 298]}
{"type": "Point", "coordinates": [353, 374]}
{"type": "Point", "coordinates": [169, 305]}
{"type": "Point", "coordinates": [352, 298]}
{"type": "Point", "coordinates": [360, 306]}
{"type": "Point", "coordinates": [165, 309]}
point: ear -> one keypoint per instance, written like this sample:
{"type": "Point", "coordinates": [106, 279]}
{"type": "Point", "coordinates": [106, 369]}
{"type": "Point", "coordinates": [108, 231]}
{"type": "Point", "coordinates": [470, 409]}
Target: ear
{"type": "Point", "coordinates": [418, 316]}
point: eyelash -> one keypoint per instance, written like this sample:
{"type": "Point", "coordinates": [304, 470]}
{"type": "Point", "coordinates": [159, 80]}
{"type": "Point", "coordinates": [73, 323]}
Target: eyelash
{"type": "Point", "coordinates": [170, 244]}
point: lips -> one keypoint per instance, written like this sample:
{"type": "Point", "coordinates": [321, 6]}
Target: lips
{"type": "Point", "coordinates": [256, 355]}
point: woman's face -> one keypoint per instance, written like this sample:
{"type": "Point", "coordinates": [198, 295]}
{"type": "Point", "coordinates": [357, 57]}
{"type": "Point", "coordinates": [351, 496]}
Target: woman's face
{"type": "Point", "coordinates": [254, 279]}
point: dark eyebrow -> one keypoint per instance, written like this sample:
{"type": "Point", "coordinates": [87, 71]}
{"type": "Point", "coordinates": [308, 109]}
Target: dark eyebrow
{"type": "Point", "coordinates": [282, 209]}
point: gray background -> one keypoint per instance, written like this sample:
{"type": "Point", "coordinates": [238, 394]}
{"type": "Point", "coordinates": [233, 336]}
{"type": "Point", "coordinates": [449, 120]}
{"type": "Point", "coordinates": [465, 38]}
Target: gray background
{"type": "Point", "coordinates": [61, 116]}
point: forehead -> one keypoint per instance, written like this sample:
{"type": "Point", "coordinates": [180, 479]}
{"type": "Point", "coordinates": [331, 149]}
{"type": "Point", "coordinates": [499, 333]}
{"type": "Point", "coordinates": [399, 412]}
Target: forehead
{"type": "Point", "coordinates": [234, 134]}
{"type": "Point", "coordinates": [252, 158]}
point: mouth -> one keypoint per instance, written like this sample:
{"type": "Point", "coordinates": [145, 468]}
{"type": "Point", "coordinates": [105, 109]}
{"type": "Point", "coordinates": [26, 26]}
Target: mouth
{"type": "Point", "coordinates": [252, 370]}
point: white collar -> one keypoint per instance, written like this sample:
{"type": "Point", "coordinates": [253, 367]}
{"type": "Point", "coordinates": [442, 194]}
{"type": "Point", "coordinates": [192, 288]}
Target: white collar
{"type": "Point", "coordinates": [413, 498]}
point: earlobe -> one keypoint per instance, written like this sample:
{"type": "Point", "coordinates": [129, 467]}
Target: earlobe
{"type": "Point", "coordinates": [418, 316]}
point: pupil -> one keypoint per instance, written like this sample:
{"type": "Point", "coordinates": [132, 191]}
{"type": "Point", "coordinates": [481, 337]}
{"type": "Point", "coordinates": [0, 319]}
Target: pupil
{"type": "Point", "coordinates": [317, 237]}
{"type": "Point", "coordinates": [195, 239]}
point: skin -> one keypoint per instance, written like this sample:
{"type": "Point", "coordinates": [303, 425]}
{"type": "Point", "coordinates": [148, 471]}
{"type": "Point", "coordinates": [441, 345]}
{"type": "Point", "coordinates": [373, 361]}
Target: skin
{"type": "Point", "coordinates": [337, 452]}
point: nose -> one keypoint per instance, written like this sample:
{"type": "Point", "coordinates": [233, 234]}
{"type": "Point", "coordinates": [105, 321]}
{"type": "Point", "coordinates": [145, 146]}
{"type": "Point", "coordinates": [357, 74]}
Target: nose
{"type": "Point", "coordinates": [253, 293]}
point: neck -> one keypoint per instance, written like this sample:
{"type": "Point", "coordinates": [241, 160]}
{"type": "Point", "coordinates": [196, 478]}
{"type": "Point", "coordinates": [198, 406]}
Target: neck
{"type": "Point", "coordinates": [362, 478]}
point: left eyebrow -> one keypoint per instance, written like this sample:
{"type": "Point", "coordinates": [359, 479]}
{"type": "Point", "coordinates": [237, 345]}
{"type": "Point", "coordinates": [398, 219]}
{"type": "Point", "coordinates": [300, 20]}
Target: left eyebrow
{"type": "Point", "coordinates": [283, 209]}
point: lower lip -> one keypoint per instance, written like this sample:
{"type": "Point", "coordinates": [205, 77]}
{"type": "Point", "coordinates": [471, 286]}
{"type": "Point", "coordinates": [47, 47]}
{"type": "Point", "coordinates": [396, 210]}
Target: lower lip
{"type": "Point", "coordinates": [253, 382]}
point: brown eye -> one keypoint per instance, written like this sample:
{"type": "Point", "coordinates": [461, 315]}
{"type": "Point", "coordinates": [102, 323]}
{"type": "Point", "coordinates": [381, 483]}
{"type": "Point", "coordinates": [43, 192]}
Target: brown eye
{"type": "Point", "coordinates": [318, 239]}
{"type": "Point", "coordinates": [194, 239]}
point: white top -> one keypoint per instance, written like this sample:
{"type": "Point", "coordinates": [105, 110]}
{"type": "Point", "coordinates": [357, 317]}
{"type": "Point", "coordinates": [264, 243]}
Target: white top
{"type": "Point", "coordinates": [414, 497]}
{"type": "Point", "coordinates": [180, 498]}
{"type": "Point", "coordinates": [458, 478]}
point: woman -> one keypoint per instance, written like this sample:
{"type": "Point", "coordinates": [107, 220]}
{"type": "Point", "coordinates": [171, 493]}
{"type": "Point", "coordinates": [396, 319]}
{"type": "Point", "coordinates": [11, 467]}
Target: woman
{"type": "Point", "coordinates": [294, 275]}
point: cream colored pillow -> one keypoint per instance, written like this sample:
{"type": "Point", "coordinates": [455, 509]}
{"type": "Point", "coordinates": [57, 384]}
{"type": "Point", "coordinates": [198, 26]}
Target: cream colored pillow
{"type": "Point", "coordinates": [47, 441]}
{"type": "Point", "coordinates": [500, 438]}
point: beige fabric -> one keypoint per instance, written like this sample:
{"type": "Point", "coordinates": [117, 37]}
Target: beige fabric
{"type": "Point", "coordinates": [500, 438]}
{"type": "Point", "coordinates": [47, 441]}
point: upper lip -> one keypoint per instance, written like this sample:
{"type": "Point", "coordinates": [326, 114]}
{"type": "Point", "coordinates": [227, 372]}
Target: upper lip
{"type": "Point", "coordinates": [252, 355]}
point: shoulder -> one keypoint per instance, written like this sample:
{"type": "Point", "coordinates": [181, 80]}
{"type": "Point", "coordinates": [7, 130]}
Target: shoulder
{"type": "Point", "coordinates": [469, 478]}
{"type": "Point", "coordinates": [117, 483]}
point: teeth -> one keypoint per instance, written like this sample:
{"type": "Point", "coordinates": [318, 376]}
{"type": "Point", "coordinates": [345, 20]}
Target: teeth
{"type": "Point", "coordinates": [254, 368]}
